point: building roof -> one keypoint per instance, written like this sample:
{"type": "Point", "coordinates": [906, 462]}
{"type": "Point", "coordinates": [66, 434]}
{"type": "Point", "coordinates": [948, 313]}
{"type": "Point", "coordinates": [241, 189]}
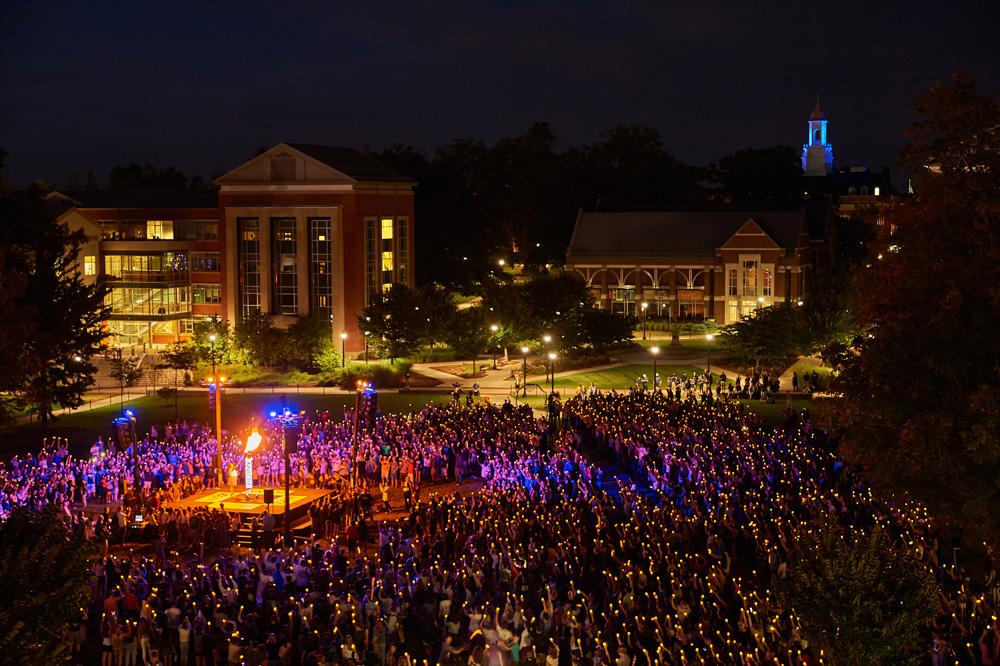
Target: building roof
{"type": "Point", "coordinates": [693, 233]}
{"type": "Point", "coordinates": [137, 198]}
{"type": "Point", "coordinates": [817, 114]}
{"type": "Point", "coordinates": [351, 163]}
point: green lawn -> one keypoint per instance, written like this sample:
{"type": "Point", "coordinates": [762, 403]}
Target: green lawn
{"type": "Point", "coordinates": [772, 415]}
{"type": "Point", "coordinates": [238, 411]}
{"type": "Point", "coordinates": [698, 343]}
{"type": "Point", "coordinates": [621, 377]}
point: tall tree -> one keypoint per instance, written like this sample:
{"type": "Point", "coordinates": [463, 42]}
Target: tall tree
{"type": "Point", "coordinates": [630, 166]}
{"type": "Point", "coordinates": [146, 177]}
{"type": "Point", "coordinates": [17, 325]}
{"type": "Point", "coordinates": [765, 336]}
{"type": "Point", "coordinates": [312, 337]}
{"type": "Point", "coordinates": [66, 311]}
{"type": "Point", "coordinates": [396, 323]}
{"type": "Point", "coordinates": [923, 386]}
{"type": "Point", "coordinates": [760, 174]}
{"type": "Point", "coordinates": [860, 597]}
{"type": "Point", "coordinates": [44, 579]}
{"type": "Point", "coordinates": [179, 358]}
{"type": "Point", "coordinates": [469, 333]}
{"type": "Point", "coordinates": [126, 370]}
{"type": "Point", "coordinates": [261, 341]}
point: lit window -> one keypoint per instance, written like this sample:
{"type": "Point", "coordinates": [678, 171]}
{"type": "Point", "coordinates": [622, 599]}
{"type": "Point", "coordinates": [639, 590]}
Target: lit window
{"type": "Point", "coordinates": [205, 262]}
{"type": "Point", "coordinates": [207, 293]}
{"type": "Point", "coordinates": [90, 265]}
{"type": "Point", "coordinates": [371, 260]}
{"type": "Point", "coordinates": [387, 254]}
{"type": "Point", "coordinates": [749, 277]}
{"type": "Point", "coordinates": [159, 229]}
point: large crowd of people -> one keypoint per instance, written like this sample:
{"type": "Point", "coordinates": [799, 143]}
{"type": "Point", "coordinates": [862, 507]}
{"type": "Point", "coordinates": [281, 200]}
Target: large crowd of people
{"type": "Point", "coordinates": [673, 561]}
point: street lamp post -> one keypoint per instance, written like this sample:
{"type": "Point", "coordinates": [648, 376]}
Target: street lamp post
{"type": "Point", "coordinates": [709, 338]}
{"type": "Point", "coordinates": [760, 302]}
{"type": "Point", "coordinates": [644, 306]}
{"type": "Point", "coordinates": [552, 370]}
{"type": "Point", "coordinates": [212, 340]}
{"type": "Point", "coordinates": [524, 371]}
{"type": "Point", "coordinates": [547, 339]}
{"type": "Point", "coordinates": [121, 377]}
{"type": "Point", "coordinates": [494, 328]}
{"type": "Point", "coordinates": [552, 389]}
{"type": "Point", "coordinates": [343, 348]}
{"type": "Point", "coordinates": [654, 351]}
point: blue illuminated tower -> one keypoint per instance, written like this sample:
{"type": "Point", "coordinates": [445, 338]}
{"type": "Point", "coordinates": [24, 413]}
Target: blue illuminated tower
{"type": "Point", "coordinates": [817, 153]}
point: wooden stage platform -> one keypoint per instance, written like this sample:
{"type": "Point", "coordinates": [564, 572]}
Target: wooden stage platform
{"type": "Point", "coordinates": [299, 500]}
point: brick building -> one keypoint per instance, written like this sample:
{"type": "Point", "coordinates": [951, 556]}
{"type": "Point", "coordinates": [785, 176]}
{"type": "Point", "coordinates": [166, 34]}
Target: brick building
{"type": "Point", "coordinates": [298, 229]}
{"type": "Point", "coordinates": [697, 264]}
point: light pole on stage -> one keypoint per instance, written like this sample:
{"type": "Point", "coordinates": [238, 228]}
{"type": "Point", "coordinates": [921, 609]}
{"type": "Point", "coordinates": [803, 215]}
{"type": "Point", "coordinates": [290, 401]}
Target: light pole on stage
{"type": "Point", "coordinates": [288, 422]}
{"type": "Point", "coordinates": [343, 347]}
{"type": "Point", "coordinates": [215, 385]}
{"type": "Point", "coordinates": [524, 371]}
{"type": "Point", "coordinates": [644, 306]}
{"type": "Point", "coordinates": [218, 382]}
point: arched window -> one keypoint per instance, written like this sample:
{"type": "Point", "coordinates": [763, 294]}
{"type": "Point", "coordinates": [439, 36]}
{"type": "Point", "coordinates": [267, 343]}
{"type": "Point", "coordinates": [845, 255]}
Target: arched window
{"type": "Point", "coordinates": [850, 191]}
{"type": "Point", "coordinates": [864, 191]}
{"type": "Point", "coordinates": [816, 136]}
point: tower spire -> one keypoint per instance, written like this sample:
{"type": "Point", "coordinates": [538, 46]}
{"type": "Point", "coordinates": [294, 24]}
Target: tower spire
{"type": "Point", "coordinates": [817, 154]}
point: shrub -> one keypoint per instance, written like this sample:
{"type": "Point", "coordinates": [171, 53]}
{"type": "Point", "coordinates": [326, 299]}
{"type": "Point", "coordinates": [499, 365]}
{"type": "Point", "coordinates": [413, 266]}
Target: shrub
{"type": "Point", "coordinates": [381, 375]}
{"type": "Point", "coordinates": [578, 360]}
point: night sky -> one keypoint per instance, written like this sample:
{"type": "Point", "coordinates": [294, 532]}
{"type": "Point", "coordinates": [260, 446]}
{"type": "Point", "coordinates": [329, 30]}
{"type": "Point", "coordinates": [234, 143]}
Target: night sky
{"type": "Point", "coordinates": [200, 85]}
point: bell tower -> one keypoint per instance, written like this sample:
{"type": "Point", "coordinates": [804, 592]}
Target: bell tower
{"type": "Point", "coordinates": [817, 153]}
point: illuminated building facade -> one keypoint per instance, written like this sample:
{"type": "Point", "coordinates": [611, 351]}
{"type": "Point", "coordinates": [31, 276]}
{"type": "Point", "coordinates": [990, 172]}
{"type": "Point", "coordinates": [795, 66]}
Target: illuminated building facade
{"type": "Point", "coordinates": [692, 265]}
{"type": "Point", "coordinates": [299, 229]}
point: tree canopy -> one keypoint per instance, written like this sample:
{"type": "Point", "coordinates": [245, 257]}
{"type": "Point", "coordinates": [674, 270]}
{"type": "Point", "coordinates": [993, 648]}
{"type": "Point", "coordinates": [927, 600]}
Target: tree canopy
{"type": "Point", "coordinates": [517, 199]}
{"type": "Point", "coordinates": [52, 316]}
{"type": "Point", "coordinates": [404, 319]}
{"type": "Point", "coordinates": [860, 597]}
{"type": "Point", "coordinates": [44, 582]}
{"type": "Point", "coordinates": [921, 385]}
{"type": "Point", "coordinates": [146, 177]}
{"type": "Point", "coordinates": [755, 175]}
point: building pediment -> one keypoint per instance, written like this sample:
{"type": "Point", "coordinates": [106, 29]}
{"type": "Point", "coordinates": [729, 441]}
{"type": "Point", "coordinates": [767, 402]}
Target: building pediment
{"type": "Point", "coordinates": [284, 165]}
{"type": "Point", "coordinates": [750, 235]}
{"type": "Point", "coordinates": [298, 165]}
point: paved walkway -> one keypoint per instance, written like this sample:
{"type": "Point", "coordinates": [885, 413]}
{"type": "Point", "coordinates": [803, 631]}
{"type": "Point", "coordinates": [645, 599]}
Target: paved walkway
{"type": "Point", "coordinates": [497, 384]}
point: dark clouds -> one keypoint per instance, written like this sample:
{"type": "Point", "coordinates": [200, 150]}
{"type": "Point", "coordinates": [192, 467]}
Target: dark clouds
{"type": "Point", "coordinates": [200, 85]}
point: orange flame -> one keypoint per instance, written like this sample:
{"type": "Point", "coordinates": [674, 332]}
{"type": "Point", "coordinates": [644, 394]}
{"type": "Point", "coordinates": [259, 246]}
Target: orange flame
{"type": "Point", "coordinates": [253, 441]}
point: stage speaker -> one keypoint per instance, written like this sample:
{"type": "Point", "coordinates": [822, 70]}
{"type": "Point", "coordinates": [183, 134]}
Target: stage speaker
{"type": "Point", "coordinates": [268, 495]}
